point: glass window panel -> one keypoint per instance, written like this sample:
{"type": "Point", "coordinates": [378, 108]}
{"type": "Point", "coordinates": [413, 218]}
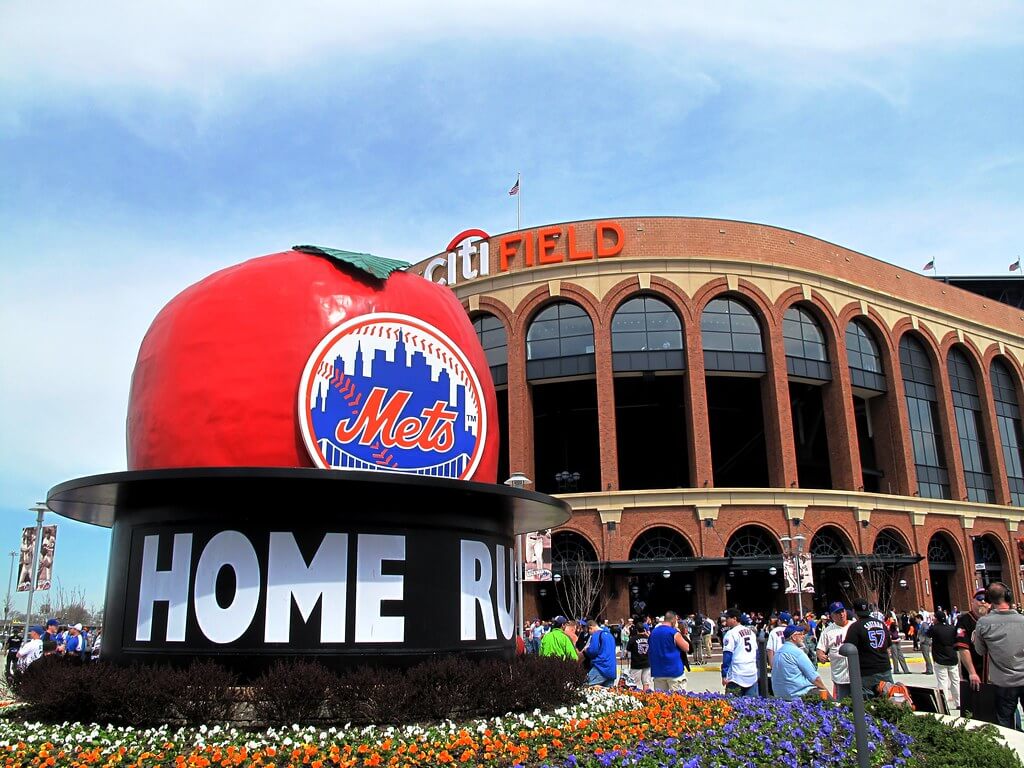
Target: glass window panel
{"type": "Point", "coordinates": [543, 329]}
{"type": "Point", "coordinates": [576, 326]}
{"type": "Point", "coordinates": [541, 350]}
{"type": "Point", "coordinates": [717, 341]}
{"type": "Point", "coordinates": [629, 342]}
{"type": "Point", "coordinates": [665, 340]}
{"type": "Point", "coordinates": [714, 322]}
{"type": "Point", "coordinates": [635, 306]}
{"type": "Point", "coordinates": [577, 345]}
{"type": "Point", "coordinates": [623, 322]}
{"type": "Point", "coordinates": [744, 323]}
{"type": "Point", "coordinates": [744, 342]}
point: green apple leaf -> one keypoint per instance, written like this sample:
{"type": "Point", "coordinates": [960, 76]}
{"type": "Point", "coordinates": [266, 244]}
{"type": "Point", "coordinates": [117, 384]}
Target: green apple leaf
{"type": "Point", "coordinates": [377, 266]}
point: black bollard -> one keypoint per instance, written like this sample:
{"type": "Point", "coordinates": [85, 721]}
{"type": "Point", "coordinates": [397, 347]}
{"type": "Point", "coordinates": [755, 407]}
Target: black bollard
{"type": "Point", "coordinates": [860, 728]}
{"type": "Point", "coordinates": [763, 684]}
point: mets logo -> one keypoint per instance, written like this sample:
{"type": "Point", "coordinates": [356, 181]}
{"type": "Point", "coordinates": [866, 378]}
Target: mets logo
{"type": "Point", "coordinates": [390, 392]}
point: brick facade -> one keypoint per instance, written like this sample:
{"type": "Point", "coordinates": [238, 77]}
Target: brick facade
{"type": "Point", "coordinates": [687, 263]}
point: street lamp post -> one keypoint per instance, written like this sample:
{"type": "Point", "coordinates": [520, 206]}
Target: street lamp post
{"type": "Point", "coordinates": [10, 581]}
{"type": "Point", "coordinates": [40, 509]}
{"type": "Point", "coordinates": [794, 547]}
{"type": "Point", "coordinates": [519, 480]}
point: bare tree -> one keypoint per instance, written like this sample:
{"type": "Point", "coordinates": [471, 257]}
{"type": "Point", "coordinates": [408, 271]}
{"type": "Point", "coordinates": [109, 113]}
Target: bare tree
{"type": "Point", "coordinates": [877, 583]}
{"type": "Point", "coordinates": [68, 604]}
{"type": "Point", "coordinates": [580, 592]}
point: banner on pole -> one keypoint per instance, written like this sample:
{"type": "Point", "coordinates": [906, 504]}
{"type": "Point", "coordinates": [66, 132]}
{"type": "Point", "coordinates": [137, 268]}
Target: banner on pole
{"type": "Point", "coordinates": [28, 549]}
{"type": "Point", "coordinates": [44, 575]}
{"type": "Point", "coordinates": [538, 556]}
{"type": "Point", "coordinates": [806, 579]}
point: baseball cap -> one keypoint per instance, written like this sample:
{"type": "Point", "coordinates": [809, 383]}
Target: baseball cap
{"type": "Point", "coordinates": [792, 629]}
{"type": "Point", "coordinates": [559, 621]}
{"type": "Point", "coordinates": [836, 607]}
{"type": "Point", "coordinates": [52, 623]}
{"type": "Point", "coordinates": [980, 595]}
{"type": "Point", "coordinates": [36, 628]}
{"type": "Point", "coordinates": [78, 627]}
{"type": "Point", "coordinates": [785, 616]}
{"type": "Point", "coordinates": [745, 619]}
{"type": "Point", "coordinates": [861, 607]}
{"type": "Point", "coordinates": [732, 613]}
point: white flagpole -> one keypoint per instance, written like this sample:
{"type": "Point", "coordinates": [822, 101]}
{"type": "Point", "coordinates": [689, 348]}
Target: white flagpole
{"type": "Point", "coordinates": [519, 200]}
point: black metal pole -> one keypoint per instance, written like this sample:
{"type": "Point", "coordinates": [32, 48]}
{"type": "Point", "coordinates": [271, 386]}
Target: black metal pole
{"type": "Point", "coordinates": [860, 728]}
{"type": "Point", "coordinates": [763, 685]}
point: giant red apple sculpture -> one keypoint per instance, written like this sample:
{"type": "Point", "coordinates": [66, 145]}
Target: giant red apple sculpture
{"type": "Point", "coordinates": [314, 357]}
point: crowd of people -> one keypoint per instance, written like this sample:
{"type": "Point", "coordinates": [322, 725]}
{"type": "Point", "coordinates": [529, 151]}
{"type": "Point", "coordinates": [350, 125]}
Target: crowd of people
{"type": "Point", "coordinates": [76, 643]}
{"type": "Point", "coordinates": [986, 643]}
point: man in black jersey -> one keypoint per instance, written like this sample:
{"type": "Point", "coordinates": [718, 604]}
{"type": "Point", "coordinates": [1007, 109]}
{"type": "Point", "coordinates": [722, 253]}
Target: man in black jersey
{"type": "Point", "coordinates": [871, 637]}
{"type": "Point", "coordinates": [972, 663]}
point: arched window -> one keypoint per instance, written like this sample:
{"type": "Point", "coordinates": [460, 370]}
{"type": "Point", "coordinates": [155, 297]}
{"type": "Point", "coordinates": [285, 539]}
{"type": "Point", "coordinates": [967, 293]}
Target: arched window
{"type": "Point", "coordinates": [660, 544]}
{"type": "Point", "coordinates": [985, 552]}
{"type": "Point", "coordinates": [888, 544]}
{"type": "Point", "coordinates": [494, 340]}
{"type": "Point", "coordinates": [923, 414]}
{"type": "Point", "coordinates": [864, 359]}
{"type": "Point", "coordinates": [940, 554]}
{"type": "Point", "coordinates": [751, 541]}
{"type": "Point", "coordinates": [731, 337]}
{"type": "Point", "coordinates": [560, 342]}
{"type": "Point", "coordinates": [570, 547]}
{"type": "Point", "coordinates": [1010, 435]}
{"type": "Point", "coordinates": [646, 336]}
{"type": "Point", "coordinates": [987, 559]}
{"type": "Point", "coordinates": [969, 428]}
{"type": "Point", "coordinates": [828, 543]}
{"type": "Point", "coordinates": [806, 353]}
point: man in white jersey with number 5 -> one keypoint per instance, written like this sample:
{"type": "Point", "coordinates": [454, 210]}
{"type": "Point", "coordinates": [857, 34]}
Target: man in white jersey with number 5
{"type": "Point", "coordinates": [739, 656]}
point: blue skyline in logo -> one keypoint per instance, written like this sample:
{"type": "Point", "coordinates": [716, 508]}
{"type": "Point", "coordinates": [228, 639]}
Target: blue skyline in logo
{"type": "Point", "coordinates": [399, 408]}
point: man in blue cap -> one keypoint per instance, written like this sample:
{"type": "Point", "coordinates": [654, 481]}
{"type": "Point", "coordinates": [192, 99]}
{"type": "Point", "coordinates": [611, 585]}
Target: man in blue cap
{"type": "Point", "coordinates": [793, 675]}
{"type": "Point", "coordinates": [832, 637]}
{"type": "Point", "coordinates": [600, 649]}
{"type": "Point", "coordinates": [31, 649]}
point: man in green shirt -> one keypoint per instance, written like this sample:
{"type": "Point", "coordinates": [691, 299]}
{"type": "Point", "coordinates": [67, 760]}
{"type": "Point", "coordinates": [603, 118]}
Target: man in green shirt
{"type": "Point", "coordinates": [558, 643]}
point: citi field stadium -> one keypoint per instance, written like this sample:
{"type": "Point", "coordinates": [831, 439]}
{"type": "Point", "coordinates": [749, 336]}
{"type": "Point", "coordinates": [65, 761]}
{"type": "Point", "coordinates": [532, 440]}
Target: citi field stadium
{"type": "Point", "coordinates": [711, 396]}
{"type": "Point", "coordinates": [388, 392]}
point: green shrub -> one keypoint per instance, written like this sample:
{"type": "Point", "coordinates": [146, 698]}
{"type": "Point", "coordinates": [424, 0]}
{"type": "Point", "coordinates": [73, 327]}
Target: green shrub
{"type": "Point", "coordinates": [296, 691]}
{"type": "Point", "coordinates": [942, 744]}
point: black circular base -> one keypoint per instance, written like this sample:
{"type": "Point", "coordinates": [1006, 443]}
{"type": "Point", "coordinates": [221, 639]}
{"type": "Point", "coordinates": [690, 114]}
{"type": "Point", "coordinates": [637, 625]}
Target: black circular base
{"type": "Point", "coordinates": [250, 565]}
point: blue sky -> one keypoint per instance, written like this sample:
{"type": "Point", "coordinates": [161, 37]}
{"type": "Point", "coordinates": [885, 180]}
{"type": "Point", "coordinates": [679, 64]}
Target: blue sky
{"type": "Point", "coordinates": [145, 145]}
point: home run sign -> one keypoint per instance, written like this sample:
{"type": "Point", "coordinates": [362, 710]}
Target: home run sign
{"type": "Point", "coordinates": [250, 565]}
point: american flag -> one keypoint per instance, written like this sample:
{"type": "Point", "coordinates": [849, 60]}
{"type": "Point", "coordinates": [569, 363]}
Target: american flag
{"type": "Point", "coordinates": [929, 265]}
{"type": "Point", "coordinates": [1016, 265]}
{"type": "Point", "coordinates": [515, 188]}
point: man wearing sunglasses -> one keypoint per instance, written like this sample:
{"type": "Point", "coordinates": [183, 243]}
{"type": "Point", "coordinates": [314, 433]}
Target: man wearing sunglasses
{"type": "Point", "coordinates": [972, 663]}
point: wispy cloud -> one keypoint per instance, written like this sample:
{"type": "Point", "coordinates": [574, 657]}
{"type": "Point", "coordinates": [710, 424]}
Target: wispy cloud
{"type": "Point", "coordinates": [194, 46]}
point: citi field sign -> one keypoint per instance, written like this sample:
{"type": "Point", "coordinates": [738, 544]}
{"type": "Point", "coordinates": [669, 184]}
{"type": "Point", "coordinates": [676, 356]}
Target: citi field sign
{"type": "Point", "coordinates": [468, 254]}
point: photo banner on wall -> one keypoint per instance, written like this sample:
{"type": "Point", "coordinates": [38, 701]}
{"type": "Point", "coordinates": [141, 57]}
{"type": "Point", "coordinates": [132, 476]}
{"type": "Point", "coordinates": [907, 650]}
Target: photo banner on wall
{"type": "Point", "coordinates": [28, 549]}
{"type": "Point", "coordinates": [44, 575]}
{"type": "Point", "coordinates": [538, 556]}
{"type": "Point", "coordinates": [806, 581]}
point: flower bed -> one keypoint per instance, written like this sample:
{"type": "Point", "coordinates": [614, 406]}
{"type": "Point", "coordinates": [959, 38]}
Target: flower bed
{"type": "Point", "coordinates": [606, 728]}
